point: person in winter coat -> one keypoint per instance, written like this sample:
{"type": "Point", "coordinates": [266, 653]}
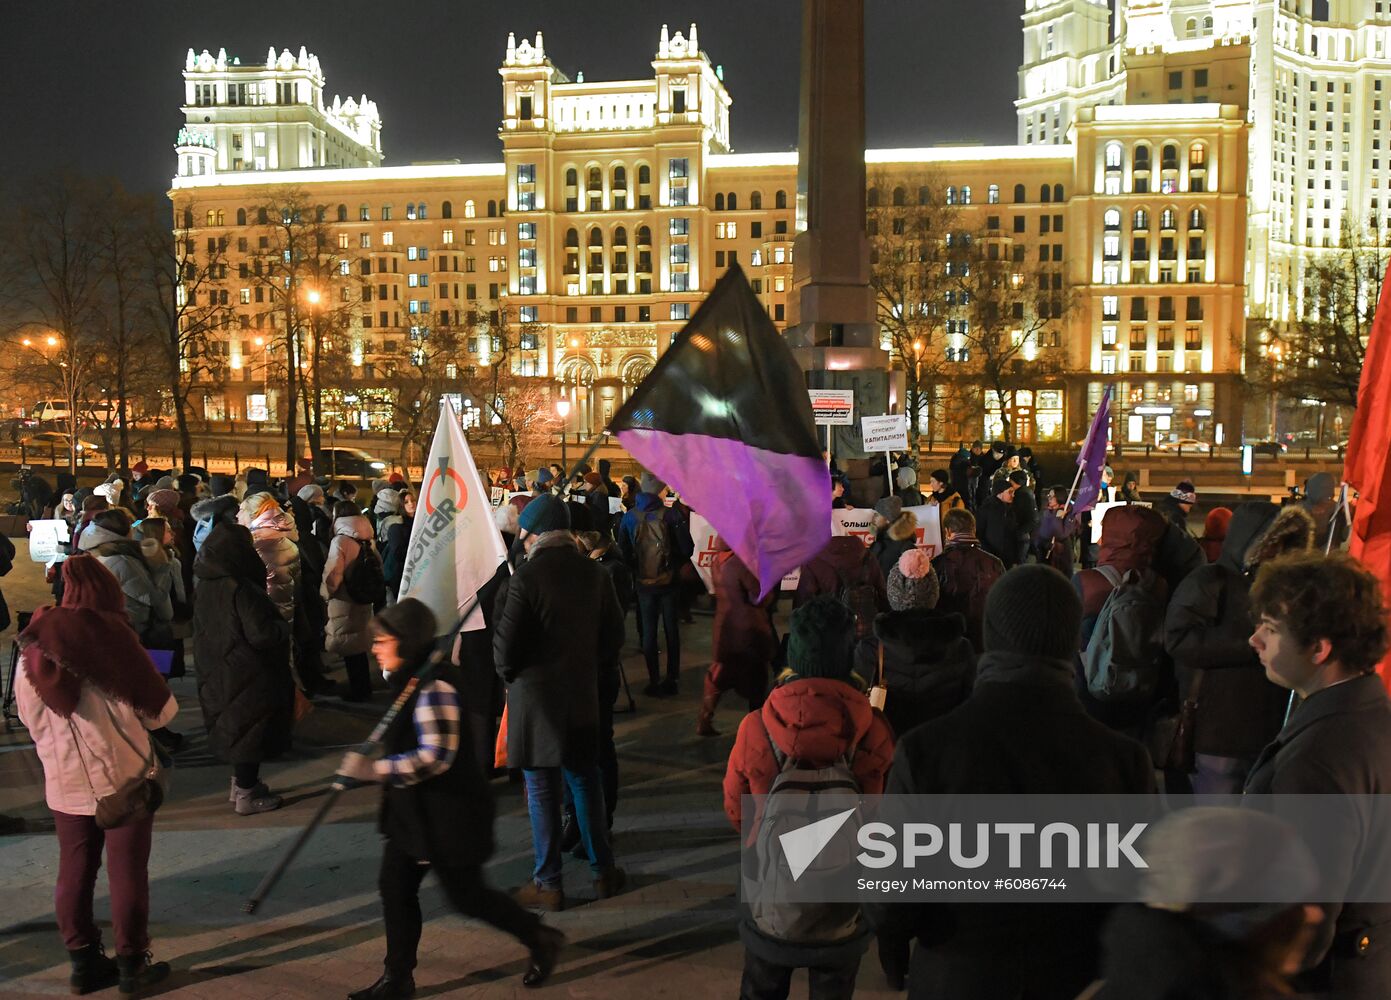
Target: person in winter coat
{"type": "Point", "coordinates": [658, 593]}
{"type": "Point", "coordinates": [998, 524]}
{"type": "Point", "coordinates": [1022, 731]}
{"type": "Point", "coordinates": [816, 715]}
{"type": "Point", "coordinates": [1175, 507]}
{"type": "Point", "coordinates": [1130, 489]}
{"type": "Point", "coordinates": [398, 543]}
{"type": "Point", "coordinates": [844, 562]}
{"type": "Point", "coordinates": [989, 464]}
{"type": "Point", "coordinates": [386, 511]}
{"type": "Point", "coordinates": [1215, 528]}
{"type": "Point", "coordinates": [349, 632]}
{"type": "Point", "coordinates": [88, 694]}
{"type": "Point", "coordinates": [206, 513]}
{"type": "Point", "coordinates": [943, 493]}
{"type": "Point", "coordinates": [908, 493]}
{"type": "Point", "coordinates": [313, 531]}
{"type": "Point", "coordinates": [1026, 516]}
{"type": "Point", "coordinates": [166, 504]}
{"type": "Point", "coordinates": [241, 644]}
{"type": "Point", "coordinates": [600, 549]}
{"type": "Point", "coordinates": [928, 664]}
{"type": "Point", "coordinates": [959, 470]}
{"type": "Point", "coordinates": [149, 602]}
{"type": "Point", "coordinates": [1173, 946]}
{"type": "Point", "coordinates": [92, 505]}
{"type": "Point", "coordinates": [1053, 535]}
{"type": "Point", "coordinates": [1319, 501]}
{"type": "Point", "coordinates": [1321, 630]}
{"type": "Point", "coordinates": [276, 540]}
{"type": "Point", "coordinates": [436, 813]}
{"type": "Point", "coordinates": [559, 621]}
{"type": "Point", "coordinates": [1206, 630]}
{"type": "Point", "coordinates": [895, 532]}
{"type": "Point", "coordinates": [742, 646]}
{"type": "Point", "coordinates": [965, 573]}
{"type": "Point", "coordinates": [1130, 539]}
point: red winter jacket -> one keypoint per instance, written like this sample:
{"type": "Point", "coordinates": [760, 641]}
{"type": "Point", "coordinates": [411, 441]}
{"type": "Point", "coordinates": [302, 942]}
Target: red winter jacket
{"type": "Point", "coordinates": [815, 720]}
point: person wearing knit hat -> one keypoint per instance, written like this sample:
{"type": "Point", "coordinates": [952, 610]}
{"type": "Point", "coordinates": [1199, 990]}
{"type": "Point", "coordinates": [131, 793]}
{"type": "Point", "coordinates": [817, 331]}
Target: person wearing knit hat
{"type": "Point", "coordinates": [895, 532]}
{"type": "Point", "coordinates": [1022, 730]}
{"type": "Point", "coordinates": [220, 485]}
{"type": "Point", "coordinates": [942, 493]}
{"type": "Point", "coordinates": [924, 656]}
{"type": "Point", "coordinates": [386, 511]}
{"type": "Point", "coordinates": [908, 492]}
{"type": "Point", "coordinates": [1177, 504]}
{"type": "Point", "coordinates": [817, 715]}
{"type": "Point", "coordinates": [558, 629]}
{"type": "Point", "coordinates": [108, 492]}
{"type": "Point", "coordinates": [655, 541]}
{"type": "Point", "coordinates": [887, 510]}
{"type": "Point", "coordinates": [545, 513]}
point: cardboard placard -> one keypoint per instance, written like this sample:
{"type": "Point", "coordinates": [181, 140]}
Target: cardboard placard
{"type": "Point", "coordinates": [886, 433]}
{"type": "Point", "coordinates": [46, 539]}
{"type": "Point", "coordinates": [833, 407]}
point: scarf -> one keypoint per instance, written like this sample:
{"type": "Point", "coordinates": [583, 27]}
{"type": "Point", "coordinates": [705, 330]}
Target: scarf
{"type": "Point", "coordinates": [1019, 668]}
{"type": "Point", "coordinates": [77, 645]}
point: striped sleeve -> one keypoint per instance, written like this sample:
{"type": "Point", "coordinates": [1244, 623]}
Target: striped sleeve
{"type": "Point", "coordinates": [437, 725]}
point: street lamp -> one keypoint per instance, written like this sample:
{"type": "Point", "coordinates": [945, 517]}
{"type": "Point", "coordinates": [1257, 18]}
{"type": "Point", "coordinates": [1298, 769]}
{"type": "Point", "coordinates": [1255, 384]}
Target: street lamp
{"type": "Point", "coordinates": [917, 388]}
{"type": "Point", "coordinates": [562, 407]}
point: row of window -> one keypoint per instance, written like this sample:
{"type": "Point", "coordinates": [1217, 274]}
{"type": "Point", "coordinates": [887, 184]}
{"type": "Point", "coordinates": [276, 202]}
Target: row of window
{"type": "Point", "coordinates": [414, 211]}
{"type": "Point", "coordinates": [1168, 156]}
{"type": "Point", "coordinates": [1139, 307]}
{"type": "Point", "coordinates": [963, 195]}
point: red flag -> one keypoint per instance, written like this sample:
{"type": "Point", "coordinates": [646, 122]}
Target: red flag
{"type": "Point", "coordinates": [1366, 468]}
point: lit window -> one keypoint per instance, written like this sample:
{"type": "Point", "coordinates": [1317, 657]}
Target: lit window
{"type": "Point", "coordinates": [388, 238]}
{"type": "Point", "coordinates": [680, 310]}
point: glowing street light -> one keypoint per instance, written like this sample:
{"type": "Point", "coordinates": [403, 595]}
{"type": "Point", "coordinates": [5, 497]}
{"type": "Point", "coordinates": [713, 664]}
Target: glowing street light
{"type": "Point", "coordinates": [313, 296]}
{"type": "Point", "coordinates": [52, 341]}
{"type": "Point", "coordinates": [562, 407]}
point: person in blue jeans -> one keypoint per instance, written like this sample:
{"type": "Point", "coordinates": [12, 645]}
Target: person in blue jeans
{"type": "Point", "coordinates": [558, 622]}
{"type": "Point", "coordinates": [656, 541]}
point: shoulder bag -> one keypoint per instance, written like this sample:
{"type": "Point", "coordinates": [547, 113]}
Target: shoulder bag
{"type": "Point", "coordinates": [136, 798]}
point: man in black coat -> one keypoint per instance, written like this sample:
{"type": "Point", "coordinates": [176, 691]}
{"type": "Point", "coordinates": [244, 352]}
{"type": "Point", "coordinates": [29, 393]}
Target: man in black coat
{"type": "Point", "coordinates": [998, 525]}
{"type": "Point", "coordinates": [1320, 632]}
{"type": "Point", "coordinates": [1022, 731]}
{"type": "Point", "coordinates": [559, 621]}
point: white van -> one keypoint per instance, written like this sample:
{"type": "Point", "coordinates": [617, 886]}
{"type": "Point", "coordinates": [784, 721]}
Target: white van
{"type": "Point", "coordinates": [52, 411]}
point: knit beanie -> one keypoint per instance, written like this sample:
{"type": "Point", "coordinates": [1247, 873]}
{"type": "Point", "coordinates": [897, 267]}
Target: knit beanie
{"type": "Point", "coordinates": [821, 639]}
{"type": "Point", "coordinates": [545, 513]}
{"type": "Point", "coordinates": [310, 493]}
{"type": "Point", "coordinates": [220, 485]}
{"type": "Point", "coordinates": [189, 483]}
{"type": "Point", "coordinates": [942, 476]}
{"type": "Point", "coordinates": [107, 491]}
{"type": "Point", "coordinates": [889, 508]}
{"type": "Point", "coordinates": [912, 583]}
{"type": "Point", "coordinates": [594, 479]}
{"type": "Point", "coordinates": [543, 476]}
{"type": "Point", "coordinates": [1185, 492]}
{"type": "Point", "coordinates": [164, 483]}
{"type": "Point", "coordinates": [256, 480]}
{"type": "Point", "coordinates": [906, 477]}
{"type": "Point", "coordinates": [651, 484]}
{"type": "Point", "coordinates": [164, 501]}
{"type": "Point", "coordinates": [414, 626]}
{"type": "Point", "coordinates": [1033, 610]}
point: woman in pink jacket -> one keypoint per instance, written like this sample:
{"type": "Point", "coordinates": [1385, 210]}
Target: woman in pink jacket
{"type": "Point", "coordinates": [88, 697]}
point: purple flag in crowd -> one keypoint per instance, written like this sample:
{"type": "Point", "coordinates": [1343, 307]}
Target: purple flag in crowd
{"type": "Point", "coordinates": [725, 419]}
{"type": "Point", "coordinates": [1093, 456]}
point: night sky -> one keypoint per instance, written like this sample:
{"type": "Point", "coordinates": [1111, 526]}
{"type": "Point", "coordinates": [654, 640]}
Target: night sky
{"type": "Point", "coordinates": [95, 86]}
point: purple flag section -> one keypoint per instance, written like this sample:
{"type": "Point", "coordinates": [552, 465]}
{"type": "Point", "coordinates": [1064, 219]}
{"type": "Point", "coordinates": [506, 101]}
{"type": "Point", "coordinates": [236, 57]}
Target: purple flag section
{"type": "Point", "coordinates": [1093, 456]}
{"type": "Point", "coordinates": [759, 501]}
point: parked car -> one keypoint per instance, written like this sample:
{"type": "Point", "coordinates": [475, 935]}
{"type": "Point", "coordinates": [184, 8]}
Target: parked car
{"type": "Point", "coordinates": [354, 463]}
{"type": "Point", "coordinates": [1272, 448]}
{"type": "Point", "coordinates": [58, 441]}
{"type": "Point", "coordinates": [1186, 444]}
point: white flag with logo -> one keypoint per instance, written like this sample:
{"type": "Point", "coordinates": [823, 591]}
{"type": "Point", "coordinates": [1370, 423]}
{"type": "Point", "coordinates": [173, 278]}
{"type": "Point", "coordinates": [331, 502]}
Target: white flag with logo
{"type": "Point", "coordinates": [455, 546]}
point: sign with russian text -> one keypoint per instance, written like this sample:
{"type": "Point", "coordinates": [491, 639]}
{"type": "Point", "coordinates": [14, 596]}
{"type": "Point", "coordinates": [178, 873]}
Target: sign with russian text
{"type": "Point", "coordinates": [886, 433]}
{"type": "Point", "coordinates": [833, 407]}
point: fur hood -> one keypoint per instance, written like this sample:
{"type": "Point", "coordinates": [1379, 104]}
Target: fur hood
{"type": "Point", "coordinates": [1292, 531]}
{"type": "Point", "coordinates": [355, 527]}
{"type": "Point", "coordinates": [904, 527]}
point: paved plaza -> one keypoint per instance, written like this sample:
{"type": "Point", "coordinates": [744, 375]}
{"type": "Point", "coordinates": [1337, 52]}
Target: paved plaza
{"type": "Point", "coordinates": [672, 934]}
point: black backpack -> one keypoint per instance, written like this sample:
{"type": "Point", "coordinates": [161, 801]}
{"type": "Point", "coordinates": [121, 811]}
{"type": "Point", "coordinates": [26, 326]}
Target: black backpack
{"type": "Point", "coordinates": [365, 581]}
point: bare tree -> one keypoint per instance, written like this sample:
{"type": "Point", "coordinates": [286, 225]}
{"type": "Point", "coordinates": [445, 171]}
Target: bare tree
{"type": "Point", "coordinates": [309, 281]}
{"type": "Point", "coordinates": [516, 405]}
{"type": "Point", "coordinates": [908, 223]}
{"type": "Point", "coordinates": [1004, 316]}
{"type": "Point", "coordinates": [1320, 355]}
{"type": "Point", "coordinates": [56, 285]}
{"type": "Point", "coordinates": [423, 369]}
{"type": "Point", "coordinates": [185, 304]}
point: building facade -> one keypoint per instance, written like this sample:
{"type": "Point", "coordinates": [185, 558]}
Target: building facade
{"type": "Point", "coordinates": [615, 206]}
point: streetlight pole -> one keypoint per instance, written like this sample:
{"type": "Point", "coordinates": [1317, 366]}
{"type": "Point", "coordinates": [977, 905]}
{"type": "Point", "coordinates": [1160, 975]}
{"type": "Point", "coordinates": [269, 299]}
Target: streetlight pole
{"type": "Point", "coordinates": [562, 407]}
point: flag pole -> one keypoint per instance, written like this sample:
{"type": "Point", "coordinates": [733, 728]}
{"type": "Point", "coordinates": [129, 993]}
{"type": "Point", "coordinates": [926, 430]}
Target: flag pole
{"type": "Point", "coordinates": [1341, 511]}
{"type": "Point", "coordinates": [342, 783]}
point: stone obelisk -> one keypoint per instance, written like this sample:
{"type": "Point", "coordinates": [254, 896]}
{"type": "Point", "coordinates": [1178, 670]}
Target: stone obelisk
{"type": "Point", "coordinates": [832, 326]}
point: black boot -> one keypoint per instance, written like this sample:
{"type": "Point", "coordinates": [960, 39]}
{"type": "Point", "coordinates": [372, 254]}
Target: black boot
{"type": "Point", "coordinates": [91, 970]}
{"type": "Point", "coordinates": [544, 951]}
{"type": "Point", "coordinates": [388, 987]}
{"type": "Point", "coordinates": [137, 972]}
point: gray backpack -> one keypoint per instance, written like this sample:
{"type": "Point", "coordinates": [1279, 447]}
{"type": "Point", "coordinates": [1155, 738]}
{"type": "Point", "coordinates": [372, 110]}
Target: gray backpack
{"type": "Point", "coordinates": [1124, 660]}
{"type": "Point", "coordinates": [791, 805]}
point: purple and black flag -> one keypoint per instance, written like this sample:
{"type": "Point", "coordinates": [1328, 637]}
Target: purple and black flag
{"type": "Point", "coordinates": [1092, 458]}
{"type": "Point", "coordinates": [725, 419]}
